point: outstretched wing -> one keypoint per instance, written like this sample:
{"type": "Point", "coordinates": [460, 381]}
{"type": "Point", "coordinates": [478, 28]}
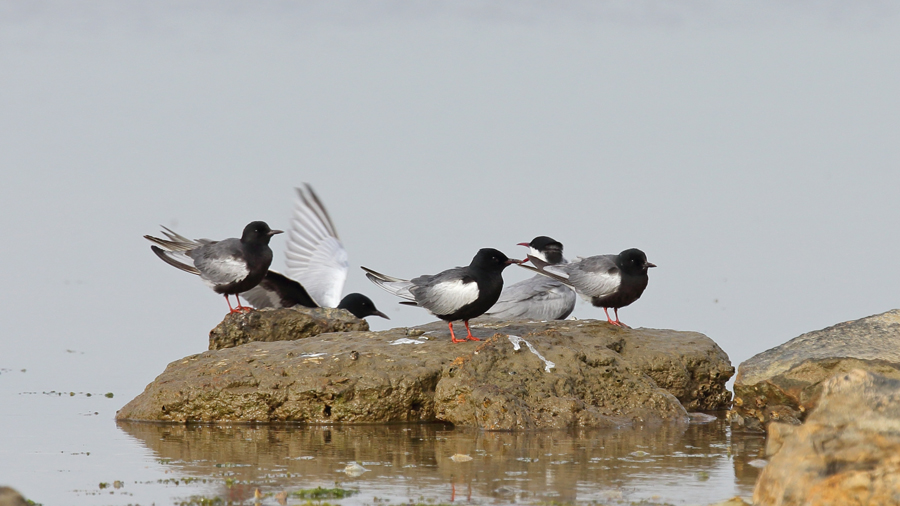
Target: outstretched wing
{"type": "Point", "coordinates": [315, 256]}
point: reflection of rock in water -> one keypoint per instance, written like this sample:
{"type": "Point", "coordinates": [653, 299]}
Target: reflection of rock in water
{"type": "Point", "coordinates": [747, 447]}
{"type": "Point", "coordinates": [413, 460]}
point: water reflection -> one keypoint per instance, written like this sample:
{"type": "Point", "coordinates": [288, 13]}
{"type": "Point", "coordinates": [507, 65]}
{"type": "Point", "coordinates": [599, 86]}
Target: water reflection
{"type": "Point", "coordinates": [692, 464]}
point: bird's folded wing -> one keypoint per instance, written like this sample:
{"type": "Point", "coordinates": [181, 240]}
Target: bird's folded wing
{"type": "Point", "coordinates": [315, 256]}
{"type": "Point", "coordinates": [262, 296]}
{"type": "Point", "coordinates": [539, 297]}
{"type": "Point", "coordinates": [220, 263]}
{"type": "Point", "coordinates": [277, 291]}
{"type": "Point", "coordinates": [443, 297]}
{"type": "Point", "coordinates": [595, 276]}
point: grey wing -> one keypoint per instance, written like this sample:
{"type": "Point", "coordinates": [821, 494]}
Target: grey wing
{"type": "Point", "coordinates": [315, 256]}
{"type": "Point", "coordinates": [595, 276]}
{"type": "Point", "coordinates": [261, 297]}
{"type": "Point", "coordinates": [536, 298]}
{"type": "Point", "coordinates": [220, 263]}
{"type": "Point", "coordinates": [390, 284]}
{"type": "Point", "coordinates": [174, 249]}
{"type": "Point", "coordinates": [444, 293]}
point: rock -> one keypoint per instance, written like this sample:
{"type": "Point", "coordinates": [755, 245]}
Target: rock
{"type": "Point", "coordinates": [500, 388]}
{"type": "Point", "coordinates": [783, 384]}
{"type": "Point", "coordinates": [734, 501]}
{"type": "Point", "coordinates": [846, 453]}
{"type": "Point", "coordinates": [684, 364]}
{"type": "Point", "coordinates": [281, 325]}
{"type": "Point", "coordinates": [10, 497]}
{"type": "Point", "coordinates": [417, 375]}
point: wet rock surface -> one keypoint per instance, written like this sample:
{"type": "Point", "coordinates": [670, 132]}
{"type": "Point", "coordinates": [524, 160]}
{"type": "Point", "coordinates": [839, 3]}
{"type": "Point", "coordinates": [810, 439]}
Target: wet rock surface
{"type": "Point", "coordinates": [846, 453]}
{"type": "Point", "coordinates": [784, 384]}
{"type": "Point", "coordinates": [290, 324]}
{"type": "Point", "coordinates": [563, 374]}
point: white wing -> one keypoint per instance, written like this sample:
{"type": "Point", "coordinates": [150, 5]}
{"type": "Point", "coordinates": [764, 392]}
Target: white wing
{"type": "Point", "coordinates": [446, 297]}
{"type": "Point", "coordinates": [595, 276]}
{"type": "Point", "coordinates": [315, 256]}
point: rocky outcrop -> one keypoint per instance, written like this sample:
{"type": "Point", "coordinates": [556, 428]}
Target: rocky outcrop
{"type": "Point", "coordinates": [847, 453]}
{"type": "Point", "coordinates": [784, 384]}
{"type": "Point", "coordinates": [290, 324]}
{"type": "Point", "coordinates": [524, 375]}
{"type": "Point", "coordinates": [10, 497]}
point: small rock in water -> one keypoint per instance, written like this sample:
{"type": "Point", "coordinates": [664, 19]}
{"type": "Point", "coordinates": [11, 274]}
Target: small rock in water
{"type": "Point", "coordinates": [758, 463]}
{"type": "Point", "coordinates": [354, 470]}
{"type": "Point", "coordinates": [459, 457]}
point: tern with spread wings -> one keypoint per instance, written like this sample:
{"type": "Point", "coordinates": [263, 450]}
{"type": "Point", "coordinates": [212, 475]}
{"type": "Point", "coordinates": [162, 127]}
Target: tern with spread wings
{"type": "Point", "coordinates": [316, 265]}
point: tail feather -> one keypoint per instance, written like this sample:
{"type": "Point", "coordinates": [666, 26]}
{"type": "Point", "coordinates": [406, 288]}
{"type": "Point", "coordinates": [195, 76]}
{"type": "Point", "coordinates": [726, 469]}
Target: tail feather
{"type": "Point", "coordinates": [390, 284]}
{"type": "Point", "coordinates": [165, 256]}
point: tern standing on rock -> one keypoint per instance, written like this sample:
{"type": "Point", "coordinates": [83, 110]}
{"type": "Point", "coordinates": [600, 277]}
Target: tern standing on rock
{"type": "Point", "coordinates": [607, 281]}
{"type": "Point", "coordinates": [229, 267]}
{"type": "Point", "coordinates": [461, 293]}
{"type": "Point", "coordinates": [540, 297]}
{"type": "Point", "coordinates": [316, 265]}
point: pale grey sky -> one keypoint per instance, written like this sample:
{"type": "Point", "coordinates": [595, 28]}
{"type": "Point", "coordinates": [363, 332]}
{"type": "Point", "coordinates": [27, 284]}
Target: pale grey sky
{"type": "Point", "coordinates": [750, 149]}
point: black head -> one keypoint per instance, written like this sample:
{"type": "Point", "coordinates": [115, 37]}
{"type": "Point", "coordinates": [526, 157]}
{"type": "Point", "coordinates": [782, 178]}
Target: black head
{"type": "Point", "coordinates": [489, 259]}
{"type": "Point", "coordinates": [360, 305]}
{"type": "Point", "coordinates": [633, 261]}
{"type": "Point", "coordinates": [550, 249]}
{"type": "Point", "coordinates": [258, 232]}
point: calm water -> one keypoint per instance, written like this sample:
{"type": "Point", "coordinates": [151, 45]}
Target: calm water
{"type": "Point", "coordinates": [68, 450]}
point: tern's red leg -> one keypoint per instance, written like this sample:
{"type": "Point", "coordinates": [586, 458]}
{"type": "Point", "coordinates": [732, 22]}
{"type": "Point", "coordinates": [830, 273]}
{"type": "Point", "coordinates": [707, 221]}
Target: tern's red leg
{"type": "Point", "coordinates": [616, 310]}
{"type": "Point", "coordinates": [243, 309]}
{"type": "Point", "coordinates": [470, 337]}
{"type": "Point", "coordinates": [453, 336]}
{"type": "Point", "coordinates": [605, 310]}
{"type": "Point", "coordinates": [231, 309]}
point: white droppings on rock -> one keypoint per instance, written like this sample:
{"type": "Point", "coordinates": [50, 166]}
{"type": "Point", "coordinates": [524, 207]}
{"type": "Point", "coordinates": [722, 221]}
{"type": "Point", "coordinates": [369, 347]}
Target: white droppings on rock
{"type": "Point", "coordinates": [516, 342]}
{"type": "Point", "coordinates": [405, 340]}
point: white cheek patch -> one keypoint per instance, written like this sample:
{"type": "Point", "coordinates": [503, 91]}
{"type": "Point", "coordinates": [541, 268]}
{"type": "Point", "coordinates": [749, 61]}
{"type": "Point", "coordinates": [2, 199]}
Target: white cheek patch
{"type": "Point", "coordinates": [537, 254]}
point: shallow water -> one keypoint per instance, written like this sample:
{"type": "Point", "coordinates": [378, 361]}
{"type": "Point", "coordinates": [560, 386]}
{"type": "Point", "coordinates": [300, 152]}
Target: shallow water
{"type": "Point", "coordinates": [691, 465]}
{"type": "Point", "coordinates": [66, 449]}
